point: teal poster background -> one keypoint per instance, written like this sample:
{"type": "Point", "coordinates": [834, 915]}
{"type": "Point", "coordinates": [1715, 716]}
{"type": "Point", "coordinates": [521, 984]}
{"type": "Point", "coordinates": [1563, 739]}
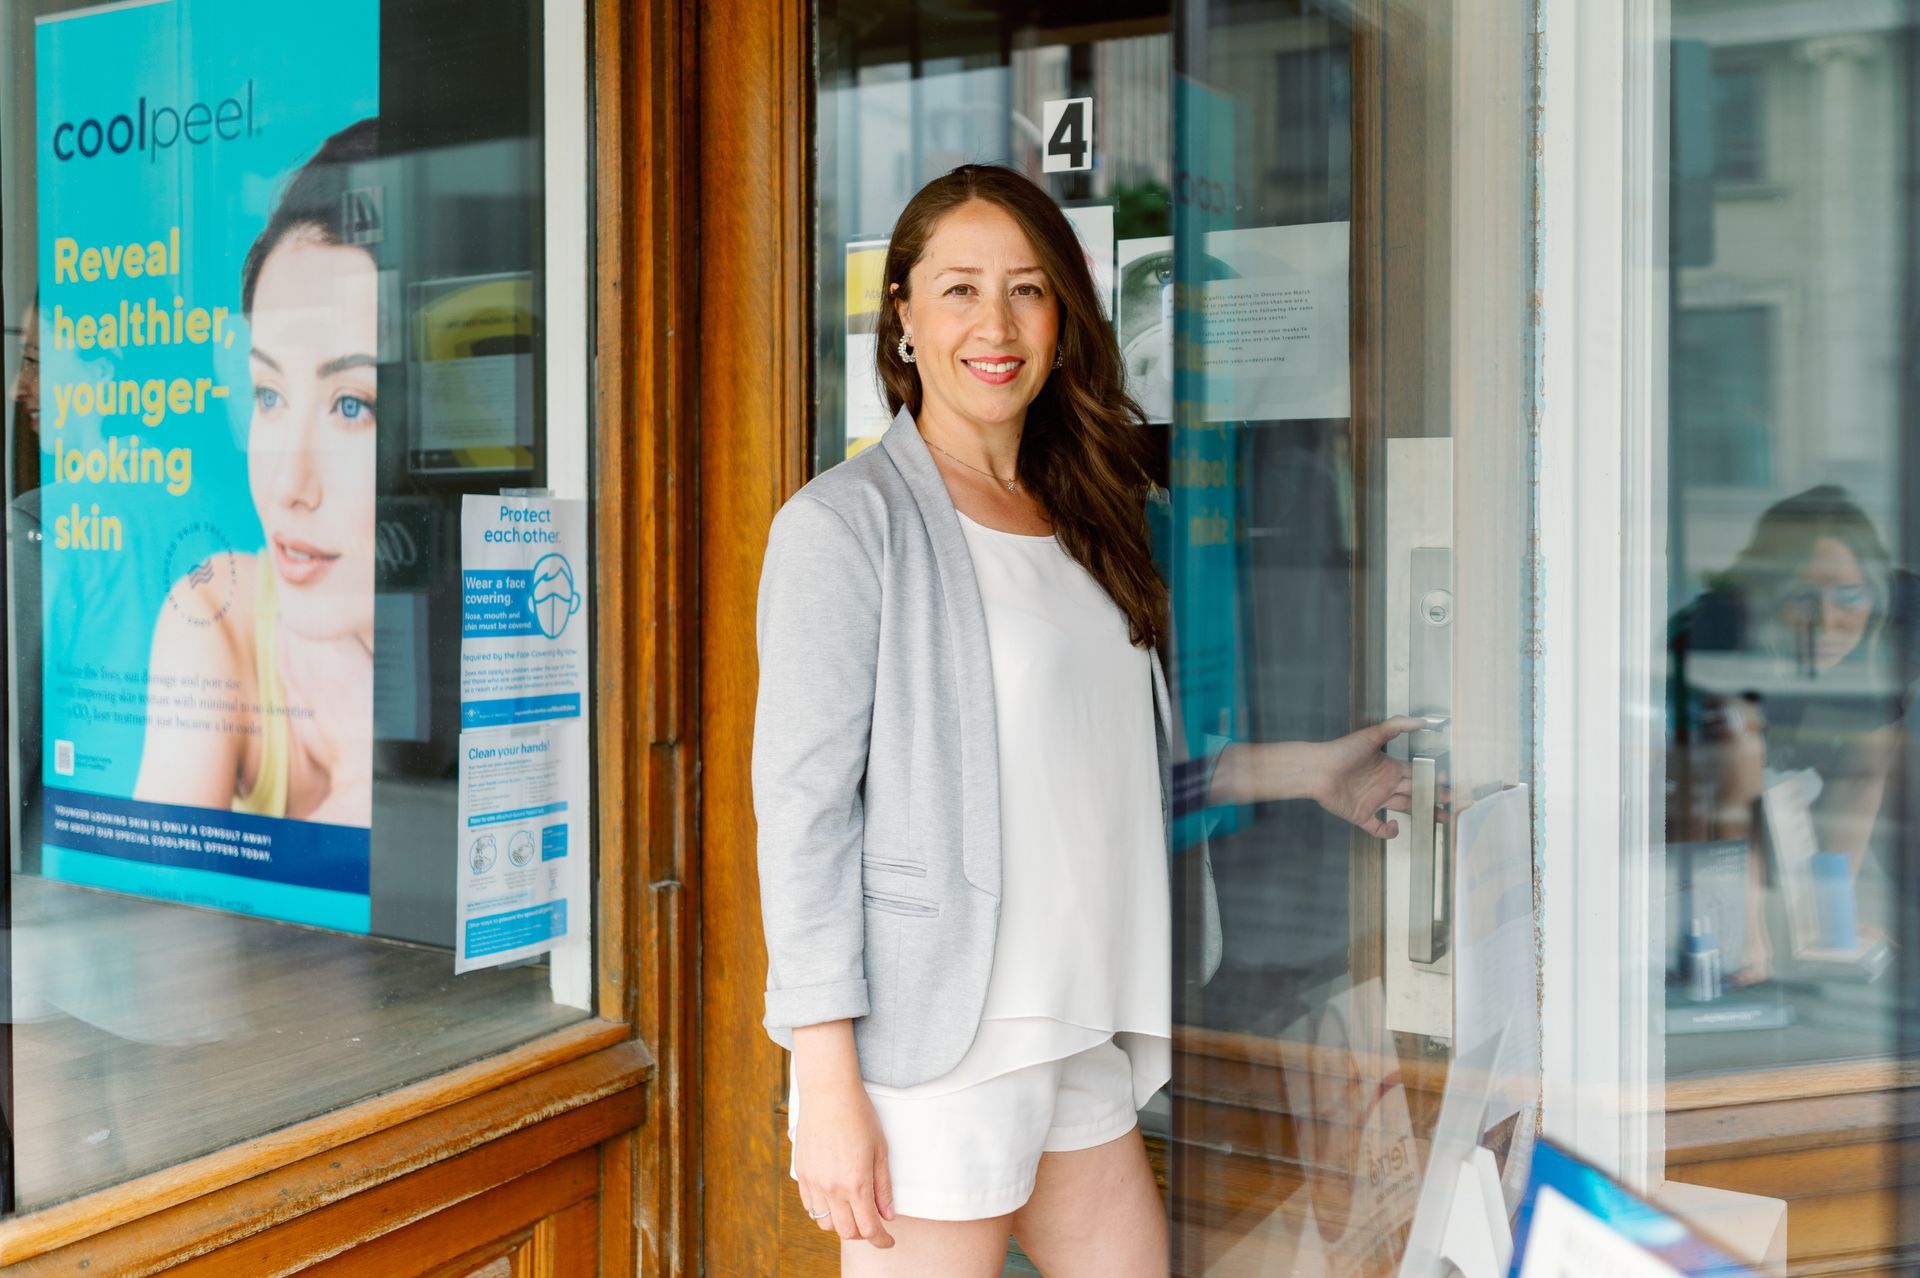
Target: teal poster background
{"type": "Point", "coordinates": [1207, 534]}
{"type": "Point", "coordinates": [171, 127]}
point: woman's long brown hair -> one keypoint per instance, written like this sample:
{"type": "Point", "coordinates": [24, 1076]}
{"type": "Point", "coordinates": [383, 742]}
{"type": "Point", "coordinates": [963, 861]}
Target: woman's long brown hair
{"type": "Point", "coordinates": [1085, 453]}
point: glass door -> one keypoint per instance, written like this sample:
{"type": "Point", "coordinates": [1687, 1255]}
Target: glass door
{"type": "Point", "coordinates": [1349, 544]}
{"type": "Point", "coordinates": [1311, 221]}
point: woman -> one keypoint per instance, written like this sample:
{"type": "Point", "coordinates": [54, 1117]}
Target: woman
{"type": "Point", "coordinates": [280, 642]}
{"type": "Point", "coordinates": [1815, 599]}
{"type": "Point", "coordinates": [1797, 659]}
{"type": "Point", "coordinates": [960, 760]}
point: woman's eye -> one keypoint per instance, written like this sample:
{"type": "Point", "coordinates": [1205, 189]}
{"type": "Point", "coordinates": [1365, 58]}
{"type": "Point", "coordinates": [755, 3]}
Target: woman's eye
{"type": "Point", "coordinates": [1027, 290]}
{"type": "Point", "coordinates": [958, 289]}
{"type": "Point", "coordinates": [354, 408]}
{"type": "Point", "coordinates": [266, 398]}
{"type": "Point", "coordinates": [1851, 598]}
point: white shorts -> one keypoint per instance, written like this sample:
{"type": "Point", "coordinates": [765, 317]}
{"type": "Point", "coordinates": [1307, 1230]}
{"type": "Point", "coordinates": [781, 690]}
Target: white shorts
{"type": "Point", "coordinates": [972, 1154]}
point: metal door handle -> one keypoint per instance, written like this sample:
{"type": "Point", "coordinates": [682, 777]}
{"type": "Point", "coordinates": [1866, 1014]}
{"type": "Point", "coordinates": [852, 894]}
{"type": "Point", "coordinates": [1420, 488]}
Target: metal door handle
{"type": "Point", "coordinates": [1429, 694]}
{"type": "Point", "coordinates": [1427, 889]}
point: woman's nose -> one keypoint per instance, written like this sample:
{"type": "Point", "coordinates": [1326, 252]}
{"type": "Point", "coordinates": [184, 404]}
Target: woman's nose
{"type": "Point", "coordinates": [1832, 615]}
{"type": "Point", "coordinates": [996, 319]}
{"type": "Point", "coordinates": [296, 479]}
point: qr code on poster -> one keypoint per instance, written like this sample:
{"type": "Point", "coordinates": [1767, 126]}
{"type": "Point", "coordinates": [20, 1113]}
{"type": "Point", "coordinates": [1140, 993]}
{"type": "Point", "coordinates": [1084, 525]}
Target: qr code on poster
{"type": "Point", "coordinates": [63, 758]}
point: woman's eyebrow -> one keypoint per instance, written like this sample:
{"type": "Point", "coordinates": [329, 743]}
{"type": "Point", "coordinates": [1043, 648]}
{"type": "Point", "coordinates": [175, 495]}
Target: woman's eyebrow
{"type": "Point", "coordinates": [343, 363]}
{"type": "Point", "coordinates": [254, 352]}
{"type": "Point", "coordinates": [974, 270]}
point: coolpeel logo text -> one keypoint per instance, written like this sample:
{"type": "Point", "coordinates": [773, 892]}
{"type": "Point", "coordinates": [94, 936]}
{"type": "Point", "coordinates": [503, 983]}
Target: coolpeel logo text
{"type": "Point", "coordinates": [154, 129]}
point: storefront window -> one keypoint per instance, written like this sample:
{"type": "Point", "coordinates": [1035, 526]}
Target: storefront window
{"type": "Point", "coordinates": [298, 565]}
{"type": "Point", "coordinates": [1791, 645]}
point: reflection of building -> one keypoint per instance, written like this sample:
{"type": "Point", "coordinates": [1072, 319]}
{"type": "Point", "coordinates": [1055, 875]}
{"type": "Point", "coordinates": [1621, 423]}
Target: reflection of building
{"type": "Point", "coordinates": [1790, 137]}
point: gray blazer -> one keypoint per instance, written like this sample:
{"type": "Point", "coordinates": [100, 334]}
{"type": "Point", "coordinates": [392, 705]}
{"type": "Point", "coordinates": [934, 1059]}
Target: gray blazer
{"type": "Point", "coordinates": [875, 767]}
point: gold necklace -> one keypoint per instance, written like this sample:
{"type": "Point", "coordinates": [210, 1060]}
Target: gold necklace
{"type": "Point", "coordinates": [1004, 483]}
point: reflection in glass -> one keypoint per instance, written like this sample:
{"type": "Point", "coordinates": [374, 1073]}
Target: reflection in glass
{"type": "Point", "coordinates": [1792, 609]}
{"type": "Point", "coordinates": [1791, 640]}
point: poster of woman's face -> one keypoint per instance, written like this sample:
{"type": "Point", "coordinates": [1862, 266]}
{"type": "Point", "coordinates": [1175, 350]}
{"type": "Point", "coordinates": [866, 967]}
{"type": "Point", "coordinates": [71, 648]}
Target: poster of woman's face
{"type": "Point", "coordinates": [311, 440]}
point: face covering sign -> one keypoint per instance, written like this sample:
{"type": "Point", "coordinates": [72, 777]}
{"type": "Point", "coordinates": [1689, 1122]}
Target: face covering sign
{"type": "Point", "coordinates": [207, 323]}
{"type": "Point", "coordinates": [520, 886]}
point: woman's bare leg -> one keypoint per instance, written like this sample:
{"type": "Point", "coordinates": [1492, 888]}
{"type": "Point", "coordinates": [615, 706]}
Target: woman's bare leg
{"type": "Point", "coordinates": [1096, 1213]}
{"type": "Point", "coordinates": [931, 1249]}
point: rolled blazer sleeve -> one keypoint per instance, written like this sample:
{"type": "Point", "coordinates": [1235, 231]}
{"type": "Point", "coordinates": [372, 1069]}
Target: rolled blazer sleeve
{"type": "Point", "coordinates": [818, 635]}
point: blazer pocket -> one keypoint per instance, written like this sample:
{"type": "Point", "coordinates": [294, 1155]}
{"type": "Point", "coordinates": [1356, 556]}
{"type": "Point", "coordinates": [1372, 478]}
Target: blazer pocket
{"type": "Point", "coordinates": [914, 869]}
{"type": "Point", "coordinates": [894, 904]}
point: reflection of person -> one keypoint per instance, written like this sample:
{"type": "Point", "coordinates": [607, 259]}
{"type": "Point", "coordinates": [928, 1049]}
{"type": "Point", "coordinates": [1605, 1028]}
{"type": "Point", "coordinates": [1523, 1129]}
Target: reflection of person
{"type": "Point", "coordinates": [959, 772]}
{"type": "Point", "coordinates": [22, 537]}
{"type": "Point", "coordinates": [24, 405]}
{"type": "Point", "coordinates": [275, 648]}
{"type": "Point", "coordinates": [1822, 617]}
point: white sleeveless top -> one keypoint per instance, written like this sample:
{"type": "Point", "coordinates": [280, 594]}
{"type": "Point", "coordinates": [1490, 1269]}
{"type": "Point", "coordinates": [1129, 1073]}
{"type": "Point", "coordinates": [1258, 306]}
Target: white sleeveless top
{"type": "Point", "coordinates": [1084, 947]}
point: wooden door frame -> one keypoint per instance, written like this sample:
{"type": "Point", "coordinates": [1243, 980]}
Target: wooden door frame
{"type": "Point", "coordinates": [753, 113]}
{"type": "Point", "coordinates": [644, 378]}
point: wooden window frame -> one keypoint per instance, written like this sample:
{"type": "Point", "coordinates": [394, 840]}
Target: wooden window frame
{"type": "Point", "coordinates": [594, 1085]}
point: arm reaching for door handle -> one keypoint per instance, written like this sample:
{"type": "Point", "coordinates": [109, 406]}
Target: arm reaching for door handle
{"type": "Point", "coordinates": [1352, 776]}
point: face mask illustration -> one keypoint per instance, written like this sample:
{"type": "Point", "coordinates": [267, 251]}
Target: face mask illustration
{"type": "Point", "coordinates": [552, 596]}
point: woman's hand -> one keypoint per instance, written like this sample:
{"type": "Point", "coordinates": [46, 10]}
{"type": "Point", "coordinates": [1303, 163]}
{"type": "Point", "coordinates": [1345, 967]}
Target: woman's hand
{"type": "Point", "coordinates": [839, 1151]}
{"type": "Point", "coordinates": [1354, 779]}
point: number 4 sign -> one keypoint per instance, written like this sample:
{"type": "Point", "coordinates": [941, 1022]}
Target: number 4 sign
{"type": "Point", "coordinates": [1068, 125]}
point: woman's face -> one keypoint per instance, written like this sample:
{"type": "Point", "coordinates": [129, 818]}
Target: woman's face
{"type": "Point", "coordinates": [310, 448]}
{"type": "Point", "coordinates": [983, 318]}
{"type": "Point", "coordinates": [1832, 597]}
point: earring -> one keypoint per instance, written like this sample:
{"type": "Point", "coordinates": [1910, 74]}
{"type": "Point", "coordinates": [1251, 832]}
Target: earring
{"type": "Point", "coordinates": [1059, 360]}
{"type": "Point", "coordinates": [905, 348]}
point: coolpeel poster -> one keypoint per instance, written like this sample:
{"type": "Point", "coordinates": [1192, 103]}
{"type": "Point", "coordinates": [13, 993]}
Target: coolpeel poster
{"type": "Point", "coordinates": [523, 816]}
{"type": "Point", "coordinates": [207, 403]}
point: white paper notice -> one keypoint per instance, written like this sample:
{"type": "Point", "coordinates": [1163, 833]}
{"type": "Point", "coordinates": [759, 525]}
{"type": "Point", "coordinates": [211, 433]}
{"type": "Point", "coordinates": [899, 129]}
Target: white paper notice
{"type": "Point", "coordinates": [1270, 342]}
{"type": "Point", "coordinates": [483, 401]}
{"type": "Point", "coordinates": [1567, 1241]}
{"type": "Point", "coordinates": [1093, 223]}
{"type": "Point", "coordinates": [867, 416]}
{"type": "Point", "coordinates": [523, 628]}
{"type": "Point", "coordinates": [523, 811]}
{"type": "Point", "coordinates": [1493, 912]}
{"type": "Point", "coordinates": [522, 836]}
{"type": "Point", "coordinates": [1494, 967]}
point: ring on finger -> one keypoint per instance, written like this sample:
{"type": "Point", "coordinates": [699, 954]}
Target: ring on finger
{"type": "Point", "coordinates": [820, 1215]}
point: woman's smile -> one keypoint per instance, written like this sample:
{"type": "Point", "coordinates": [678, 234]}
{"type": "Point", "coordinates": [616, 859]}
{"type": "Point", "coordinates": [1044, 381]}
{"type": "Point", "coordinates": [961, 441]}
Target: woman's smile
{"type": "Point", "coordinates": [995, 370]}
{"type": "Point", "coordinates": [300, 563]}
